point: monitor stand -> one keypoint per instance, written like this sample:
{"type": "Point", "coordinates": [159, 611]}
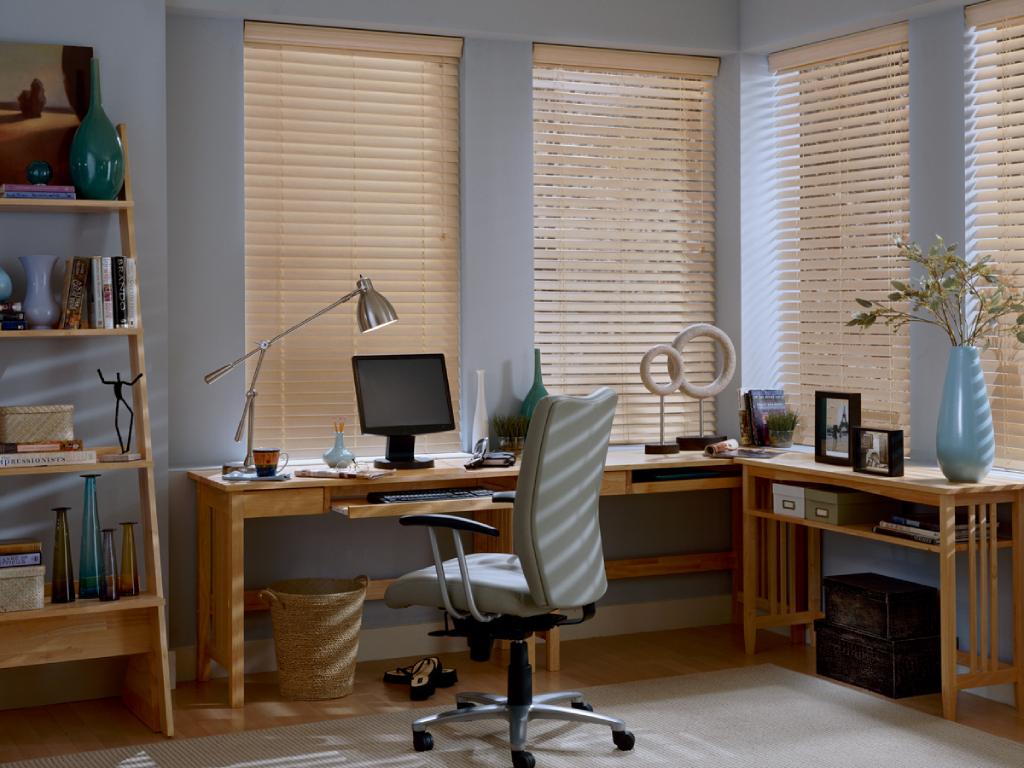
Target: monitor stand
{"type": "Point", "coordinates": [400, 454]}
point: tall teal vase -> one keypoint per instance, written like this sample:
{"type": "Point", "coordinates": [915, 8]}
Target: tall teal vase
{"type": "Point", "coordinates": [965, 442]}
{"type": "Point", "coordinates": [97, 157]}
{"type": "Point", "coordinates": [89, 554]}
{"type": "Point", "coordinates": [537, 391]}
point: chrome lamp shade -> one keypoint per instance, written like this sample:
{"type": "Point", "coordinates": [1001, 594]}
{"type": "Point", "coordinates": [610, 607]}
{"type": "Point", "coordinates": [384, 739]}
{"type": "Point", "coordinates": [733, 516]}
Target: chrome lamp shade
{"type": "Point", "coordinates": [373, 310]}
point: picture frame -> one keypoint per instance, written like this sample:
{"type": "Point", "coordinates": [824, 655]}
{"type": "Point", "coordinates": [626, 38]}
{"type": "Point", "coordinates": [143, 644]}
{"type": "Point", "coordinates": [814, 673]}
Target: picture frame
{"type": "Point", "coordinates": [878, 451]}
{"type": "Point", "coordinates": [835, 414]}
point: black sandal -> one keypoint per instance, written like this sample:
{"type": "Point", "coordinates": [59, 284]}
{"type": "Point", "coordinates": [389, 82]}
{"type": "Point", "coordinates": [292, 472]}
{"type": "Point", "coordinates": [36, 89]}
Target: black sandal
{"type": "Point", "coordinates": [446, 677]}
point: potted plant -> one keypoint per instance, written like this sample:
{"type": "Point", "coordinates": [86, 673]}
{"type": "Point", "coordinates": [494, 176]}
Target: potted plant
{"type": "Point", "coordinates": [511, 432]}
{"type": "Point", "coordinates": [972, 305]}
{"type": "Point", "coordinates": [780, 428]}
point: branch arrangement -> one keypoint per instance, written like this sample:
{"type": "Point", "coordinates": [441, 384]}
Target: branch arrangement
{"type": "Point", "coordinates": [966, 300]}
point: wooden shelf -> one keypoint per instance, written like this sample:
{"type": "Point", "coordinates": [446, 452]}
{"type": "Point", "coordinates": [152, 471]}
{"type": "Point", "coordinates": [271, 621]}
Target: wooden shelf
{"type": "Point", "coordinates": [81, 608]}
{"type": "Point", "coordinates": [99, 467]}
{"type": "Point", "coordinates": [863, 531]}
{"type": "Point", "coordinates": [20, 205]}
{"type": "Point", "coordinates": [56, 333]}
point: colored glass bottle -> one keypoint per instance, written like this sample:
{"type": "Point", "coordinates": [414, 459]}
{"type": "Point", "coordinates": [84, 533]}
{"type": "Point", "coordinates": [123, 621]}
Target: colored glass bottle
{"type": "Point", "coordinates": [108, 568]}
{"type": "Point", "coordinates": [128, 584]}
{"type": "Point", "coordinates": [97, 157]}
{"type": "Point", "coordinates": [62, 585]}
{"type": "Point", "coordinates": [537, 391]}
{"type": "Point", "coordinates": [89, 554]}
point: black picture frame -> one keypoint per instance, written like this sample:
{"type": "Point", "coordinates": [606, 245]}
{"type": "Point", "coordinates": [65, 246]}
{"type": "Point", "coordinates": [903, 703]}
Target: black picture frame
{"type": "Point", "coordinates": [833, 426]}
{"type": "Point", "coordinates": [885, 458]}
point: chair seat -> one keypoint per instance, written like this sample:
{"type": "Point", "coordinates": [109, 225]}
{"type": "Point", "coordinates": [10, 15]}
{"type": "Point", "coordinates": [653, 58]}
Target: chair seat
{"type": "Point", "coordinates": [499, 586]}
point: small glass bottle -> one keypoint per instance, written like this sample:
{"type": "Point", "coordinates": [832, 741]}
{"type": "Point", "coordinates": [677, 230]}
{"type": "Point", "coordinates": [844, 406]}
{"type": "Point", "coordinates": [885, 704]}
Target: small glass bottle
{"type": "Point", "coordinates": [128, 584]}
{"type": "Point", "coordinates": [89, 554]}
{"type": "Point", "coordinates": [108, 567]}
{"type": "Point", "coordinates": [62, 585]}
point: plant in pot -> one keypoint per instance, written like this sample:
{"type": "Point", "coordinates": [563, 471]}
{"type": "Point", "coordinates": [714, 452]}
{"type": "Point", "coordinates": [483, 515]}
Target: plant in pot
{"type": "Point", "coordinates": [780, 428]}
{"type": "Point", "coordinates": [511, 432]}
{"type": "Point", "coordinates": [972, 305]}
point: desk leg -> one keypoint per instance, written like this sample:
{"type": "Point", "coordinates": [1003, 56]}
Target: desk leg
{"type": "Point", "coordinates": [1017, 529]}
{"type": "Point", "coordinates": [736, 513]}
{"type": "Point", "coordinates": [552, 649]}
{"type": "Point", "coordinates": [813, 577]}
{"type": "Point", "coordinates": [749, 562]}
{"type": "Point", "coordinates": [947, 607]}
{"type": "Point", "coordinates": [228, 597]}
{"type": "Point", "coordinates": [203, 585]}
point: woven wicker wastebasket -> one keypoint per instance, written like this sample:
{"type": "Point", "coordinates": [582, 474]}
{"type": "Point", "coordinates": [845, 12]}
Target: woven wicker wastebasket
{"type": "Point", "coordinates": [316, 635]}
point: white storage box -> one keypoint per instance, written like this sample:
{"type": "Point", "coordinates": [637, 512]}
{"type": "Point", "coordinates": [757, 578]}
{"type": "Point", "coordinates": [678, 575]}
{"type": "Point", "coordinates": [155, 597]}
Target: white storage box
{"type": "Point", "coordinates": [21, 589]}
{"type": "Point", "coordinates": [788, 500]}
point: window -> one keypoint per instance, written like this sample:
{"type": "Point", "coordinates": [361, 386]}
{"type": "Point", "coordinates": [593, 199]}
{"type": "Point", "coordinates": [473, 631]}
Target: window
{"type": "Point", "coordinates": [351, 167]}
{"type": "Point", "coordinates": [624, 223]}
{"type": "Point", "coordinates": [840, 110]}
{"type": "Point", "coordinates": [995, 195]}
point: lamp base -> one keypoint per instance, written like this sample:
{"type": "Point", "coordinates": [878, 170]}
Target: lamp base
{"type": "Point", "coordinates": [661, 448]}
{"type": "Point", "coordinates": [698, 442]}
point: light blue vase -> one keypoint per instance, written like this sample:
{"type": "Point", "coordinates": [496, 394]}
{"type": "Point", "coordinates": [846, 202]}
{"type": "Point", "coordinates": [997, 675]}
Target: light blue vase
{"type": "Point", "coordinates": [339, 456]}
{"type": "Point", "coordinates": [965, 442]}
{"type": "Point", "coordinates": [6, 287]}
{"type": "Point", "coordinates": [41, 309]}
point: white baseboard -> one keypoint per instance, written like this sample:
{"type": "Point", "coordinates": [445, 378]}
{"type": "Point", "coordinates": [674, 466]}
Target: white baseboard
{"type": "Point", "coordinates": [412, 640]}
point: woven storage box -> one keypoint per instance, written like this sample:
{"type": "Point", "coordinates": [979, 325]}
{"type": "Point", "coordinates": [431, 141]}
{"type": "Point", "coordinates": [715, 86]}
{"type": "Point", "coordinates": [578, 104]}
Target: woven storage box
{"type": "Point", "coordinates": [889, 608]}
{"type": "Point", "coordinates": [21, 589]}
{"type": "Point", "coordinates": [316, 635]}
{"type": "Point", "coordinates": [36, 423]}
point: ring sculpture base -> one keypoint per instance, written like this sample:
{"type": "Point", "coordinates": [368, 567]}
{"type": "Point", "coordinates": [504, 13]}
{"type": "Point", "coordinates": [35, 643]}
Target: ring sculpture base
{"type": "Point", "coordinates": [698, 442]}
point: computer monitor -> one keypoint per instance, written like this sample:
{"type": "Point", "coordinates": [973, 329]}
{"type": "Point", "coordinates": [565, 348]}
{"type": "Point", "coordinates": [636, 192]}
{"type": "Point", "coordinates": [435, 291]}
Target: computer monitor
{"type": "Point", "coordinates": [402, 396]}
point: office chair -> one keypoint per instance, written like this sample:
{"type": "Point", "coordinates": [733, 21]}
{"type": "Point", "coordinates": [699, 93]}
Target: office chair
{"type": "Point", "coordinates": [558, 565]}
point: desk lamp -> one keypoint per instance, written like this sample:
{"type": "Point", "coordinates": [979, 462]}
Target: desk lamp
{"type": "Point", "coordinates": [372, 312]}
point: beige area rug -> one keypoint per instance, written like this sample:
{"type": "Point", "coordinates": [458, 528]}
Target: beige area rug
{"type": "Point", "coordinates": [752, 717]}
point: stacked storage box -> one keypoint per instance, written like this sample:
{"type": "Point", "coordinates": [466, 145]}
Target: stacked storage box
{"type": "Point", "coordinates": [881, 634]}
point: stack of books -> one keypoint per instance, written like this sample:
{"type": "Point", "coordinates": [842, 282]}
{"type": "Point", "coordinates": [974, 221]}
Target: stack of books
{"type": "Point", "coordinates": [100, 292]}
{"type": "Point", "coordinates": [757, 404]}
{"type": "Point", "coordinates": [18, 553]}
{"type": "Point", "coordinates": [11, 316]}
{"type": "Point", "coordinates": [37, 192]}
{"type": "Point", "coordinates": [45, 454]}
{"type": "Point", "coordinates": [924, 528]}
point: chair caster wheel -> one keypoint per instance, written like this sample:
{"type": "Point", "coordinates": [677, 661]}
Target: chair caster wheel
{"type": "Point", "coordinates": [624, 740]}
{"type": "Point", "coordinates": [464, 705]}
{"type": "Point", "coordinates": [523, 760]}
{"type": "Point", "coordinates": [422, 741]}
{"type": "Point", "coordinates": [583, 705]}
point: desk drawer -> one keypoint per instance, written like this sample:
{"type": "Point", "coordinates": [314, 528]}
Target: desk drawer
{"type": "Point", "coordinates": [284, 503]}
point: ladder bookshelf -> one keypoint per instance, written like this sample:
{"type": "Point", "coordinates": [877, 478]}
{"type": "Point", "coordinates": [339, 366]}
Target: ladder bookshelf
{"type": "Point", "coordinates": [135, 627]}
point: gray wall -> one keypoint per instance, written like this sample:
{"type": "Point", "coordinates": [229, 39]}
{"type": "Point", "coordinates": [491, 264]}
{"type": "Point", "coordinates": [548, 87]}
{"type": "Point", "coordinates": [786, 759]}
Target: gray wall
{"type": "Point", "coordinates": [128, 38]}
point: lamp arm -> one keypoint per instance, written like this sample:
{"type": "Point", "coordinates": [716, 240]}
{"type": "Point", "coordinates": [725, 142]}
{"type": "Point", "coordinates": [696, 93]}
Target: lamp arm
{"type": "Point", "coordinates": [250, 394]}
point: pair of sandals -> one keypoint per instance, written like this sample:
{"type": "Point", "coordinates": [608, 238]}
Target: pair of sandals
{"type": "Point", "coordinates": [423, 678]}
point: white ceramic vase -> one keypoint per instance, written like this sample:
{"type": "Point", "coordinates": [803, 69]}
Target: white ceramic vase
{"type": "Point", "coordinates": [481, 426]}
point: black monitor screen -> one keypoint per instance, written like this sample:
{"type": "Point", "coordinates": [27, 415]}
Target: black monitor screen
{"type": "Point", "coordinates": [402, 394]}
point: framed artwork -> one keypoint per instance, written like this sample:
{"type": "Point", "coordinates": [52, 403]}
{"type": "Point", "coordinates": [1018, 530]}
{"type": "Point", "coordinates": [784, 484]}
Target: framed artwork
{"type": "Point", "coordinates": [835, 413]}
{"type": "Point", "coordinates": [878, 451]}
{"type": "Point", "coordinates": [44, 94]}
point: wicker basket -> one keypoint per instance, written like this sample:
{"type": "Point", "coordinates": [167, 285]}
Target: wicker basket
{"type": "Point", "coordinates": [21, 589]}
{"type": "Point", "coordinates": [316, 635]}
{"type": "Point", "coordinates": [36, 423]}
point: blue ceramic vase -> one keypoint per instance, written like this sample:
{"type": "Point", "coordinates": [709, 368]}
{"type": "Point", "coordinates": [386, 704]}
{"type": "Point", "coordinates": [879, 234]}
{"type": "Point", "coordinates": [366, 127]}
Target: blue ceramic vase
{"type": "Point", "coordinates": [537, 391]}
{"type": "Point", "coordinates": [97, 157]}
{"type": "Point", "coordinates": [41, 309]}
{"type": "Point", "coordinates": [339, 457]}
{"type": "Point", "coordinates": [965, 442]}
{"type": "Point", "coordinates": [6, 287]}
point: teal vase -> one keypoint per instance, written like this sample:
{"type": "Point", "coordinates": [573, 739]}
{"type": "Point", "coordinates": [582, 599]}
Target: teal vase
{"type": "Point", "coordinates": [89, 554]}
{"type": "Point", "coordinates": [97, 157]}
{"type": "Point", "coordinates": [339, 457]}
{"type": "Point", "coordinates": [537, 391]}
{"type": "Point", "coordinates": [965, 442]}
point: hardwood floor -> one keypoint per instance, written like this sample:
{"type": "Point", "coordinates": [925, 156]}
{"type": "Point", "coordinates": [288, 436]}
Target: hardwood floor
{"type": "Point", "coordinates": [199, 709]}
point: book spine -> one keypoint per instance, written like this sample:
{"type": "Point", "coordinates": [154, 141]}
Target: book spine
{"type": "Point", "coordinates": [95, 292]}
{"type": "Point", "coordinates": [64, 293]}
{"type": "Point", "coordinates": [76, 293]}
{"type": "Point", "coordinates": [11, 306]}
{"type": "Point", "coordinates": [39, 188]}
{"type": "Point", "coordinates": [918, 533]}
{"type": "Point", "coordinates": [61, 445]}
{"type": "Point", "coordinates": [748, 402]}
{"type": "Point", "coordinates": [107, 271]}
{"type": "Point", "coordinates": [13, 325]}
{"type": "Point", "coordinates": [40, 195]}
{"type": "Point", "coordinates": [45, 459]}
{"type": "Point", "coordinates": [16, 561]}
{"type": "Point", "coordinates": [120, 284]}
{"type": "Point", "coordinates": [133, 293]}
{"type": "Point", "coordinates": [913, 536]}
{"type": "Point", "coordinates": [12, 315]}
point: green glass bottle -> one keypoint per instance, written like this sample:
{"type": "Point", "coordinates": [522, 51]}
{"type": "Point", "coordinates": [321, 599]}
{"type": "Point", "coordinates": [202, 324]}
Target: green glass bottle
{"type": "Point", "coordinates": [108, 568]}
{"type": "Point", "coordinates": [97, 157]}
{"type": "Point", "coordinates": [89, 554]}
{"type": "Point", "coordinates": [537, 391]}
{"type": "Point", "coordinates": [128, 583]}
{"type": "Point", "coordinates": [62, 586]}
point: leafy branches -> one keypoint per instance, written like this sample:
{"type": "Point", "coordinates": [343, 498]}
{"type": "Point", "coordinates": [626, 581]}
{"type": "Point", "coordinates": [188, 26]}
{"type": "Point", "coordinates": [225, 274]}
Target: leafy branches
{"type": "Point", "coordinates": [965, 299]}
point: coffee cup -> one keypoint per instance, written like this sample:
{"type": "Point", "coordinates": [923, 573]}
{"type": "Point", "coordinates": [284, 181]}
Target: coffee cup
{"type": "Point", "coordinates": [269, 461]}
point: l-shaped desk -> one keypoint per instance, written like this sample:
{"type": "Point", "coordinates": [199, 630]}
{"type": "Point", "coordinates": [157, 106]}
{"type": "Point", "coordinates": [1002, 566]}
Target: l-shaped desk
{"type": "Point", "coordinates": [775, 561]}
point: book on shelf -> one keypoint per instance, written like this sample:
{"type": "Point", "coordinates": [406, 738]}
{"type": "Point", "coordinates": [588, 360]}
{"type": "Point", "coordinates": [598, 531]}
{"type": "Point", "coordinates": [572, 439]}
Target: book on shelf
{"type": "Point", "coordinates": [43, 447]}
{"type": "Point", "coordinates": [46, 459]}
{"type": "Point", "coordinates": [760, 403]}
{"type": "Point", "coordinates": [919, 533]}
{"type": "Point", "coordinates": [21, 560]}
{"type": "Point", "coordinates": [99, 292]}
{"type": "Point", "coordinates": [120, 291]}
{"type": "Point", "coordinates": [76, 279]}
{"type": "Point", "coordinates": [11, 306]}
{"type": "Point", "coordinates": [131, 293]}
{"type": "Point", "coordinates": [13, 325]}
{"type": "Point", "coordinates": [37, 192]}
{"type": "Point", "coordinates": [107, 288]}
{"type": "Point", "coordinates": [20, 546]}
{"type": "Point", "coordinates": [96, 292]}
{"type": "Point", "coordinates": [12, 316]}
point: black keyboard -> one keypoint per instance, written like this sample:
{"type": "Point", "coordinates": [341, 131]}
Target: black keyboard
{"type": "Point", "coordinates": [432, 494]}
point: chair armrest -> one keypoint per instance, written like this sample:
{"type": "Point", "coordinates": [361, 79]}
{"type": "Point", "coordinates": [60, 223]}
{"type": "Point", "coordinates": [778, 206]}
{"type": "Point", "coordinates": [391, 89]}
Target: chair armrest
{"type": "Point", "coordinates": [449, 521]}
{"type": "Point", "coordinates": [503, 497]}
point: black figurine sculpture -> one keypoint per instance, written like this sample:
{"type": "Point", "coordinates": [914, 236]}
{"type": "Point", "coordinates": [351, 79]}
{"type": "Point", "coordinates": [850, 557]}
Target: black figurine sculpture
{"type": "Point", "coordinates": [119, 384]}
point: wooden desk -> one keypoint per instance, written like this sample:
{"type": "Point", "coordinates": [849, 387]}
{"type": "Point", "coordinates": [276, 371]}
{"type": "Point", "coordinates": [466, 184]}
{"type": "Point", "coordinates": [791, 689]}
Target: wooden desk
{"type": "Point", "coordinates": [771, 597]}
{"type": "Point", "coordinates": [223, 507]}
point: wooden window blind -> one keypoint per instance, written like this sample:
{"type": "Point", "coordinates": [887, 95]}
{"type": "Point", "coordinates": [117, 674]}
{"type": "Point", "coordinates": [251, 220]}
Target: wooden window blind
{"type": "Point", "coordinates": [841, 120]}
{"type": "Point", "coordinates": [351, 167]}
{"type": "Point", "coordinates": [624, 223]}
{"type": "Point", "coordinates": [995, 194]}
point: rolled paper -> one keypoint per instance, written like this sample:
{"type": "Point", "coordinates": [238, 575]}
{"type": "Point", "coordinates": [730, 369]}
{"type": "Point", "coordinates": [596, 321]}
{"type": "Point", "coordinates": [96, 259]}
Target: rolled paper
{"type": "Point", "coordinates": [723, 447]}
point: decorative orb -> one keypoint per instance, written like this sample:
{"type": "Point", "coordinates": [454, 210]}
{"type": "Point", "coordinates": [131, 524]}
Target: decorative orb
{"type": "Point", "coordinates": [728, 352]}
{"type": "Point", "coordinates": [39, 172]}
{"type": "Point", "coordinates": [675, 366]}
